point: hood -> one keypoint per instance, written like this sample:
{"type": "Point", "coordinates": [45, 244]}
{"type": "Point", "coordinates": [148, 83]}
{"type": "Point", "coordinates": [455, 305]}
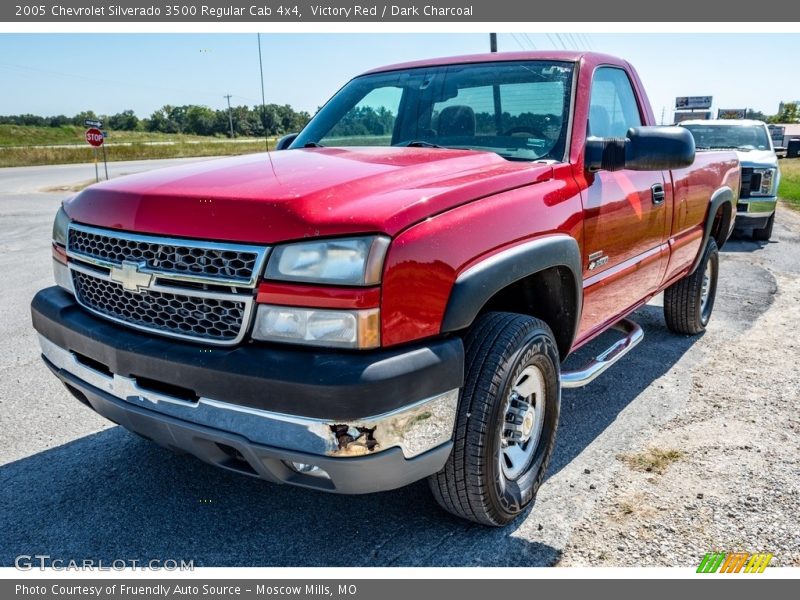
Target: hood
{"type": "Point", "coordinates": [757, 158]}
{"type": "Point", "coordinates": [300, 193]}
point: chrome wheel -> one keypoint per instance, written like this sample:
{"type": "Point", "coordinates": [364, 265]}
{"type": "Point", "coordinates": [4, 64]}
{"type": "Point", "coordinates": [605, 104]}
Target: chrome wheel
{"type": "Point", "coordinates": [523, 422]}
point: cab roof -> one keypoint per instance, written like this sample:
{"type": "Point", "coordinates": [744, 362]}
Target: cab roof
{"type": "Point", "coordinates": [713, 122]}
{"type": "Point", "coordinates": [554, 55]}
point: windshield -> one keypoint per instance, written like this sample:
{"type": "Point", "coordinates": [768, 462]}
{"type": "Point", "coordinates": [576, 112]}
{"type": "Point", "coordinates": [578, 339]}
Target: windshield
{"type": "Point", "coordinates": [738, 137]}
{"type": "Point", "coordinates": [519, 110]}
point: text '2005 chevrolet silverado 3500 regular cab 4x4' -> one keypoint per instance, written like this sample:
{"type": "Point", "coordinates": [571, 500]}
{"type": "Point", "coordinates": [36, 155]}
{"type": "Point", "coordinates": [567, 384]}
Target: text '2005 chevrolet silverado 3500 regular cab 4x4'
{"type": "Point", "coordinates": [390, 296]}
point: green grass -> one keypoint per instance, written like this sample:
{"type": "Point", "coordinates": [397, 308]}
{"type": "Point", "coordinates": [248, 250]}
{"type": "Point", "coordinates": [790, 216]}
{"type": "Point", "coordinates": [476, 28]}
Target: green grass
{"type": "Point", "coordinates": [23, 146]}
{"type": "Point", "coordinates": [23, 135]}
{"type": "Point", "coordinates": [789, 190]}
{"type": "Point", "coordinates": [25, 157]}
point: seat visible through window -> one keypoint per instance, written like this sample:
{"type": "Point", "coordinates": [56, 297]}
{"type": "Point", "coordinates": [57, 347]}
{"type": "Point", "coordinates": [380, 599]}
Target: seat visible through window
{"type": "Point", "coordinates": [456, 121]}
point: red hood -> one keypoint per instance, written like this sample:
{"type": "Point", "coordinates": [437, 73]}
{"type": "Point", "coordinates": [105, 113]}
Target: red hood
{"type": "Point", "coordinates": [313, 192]}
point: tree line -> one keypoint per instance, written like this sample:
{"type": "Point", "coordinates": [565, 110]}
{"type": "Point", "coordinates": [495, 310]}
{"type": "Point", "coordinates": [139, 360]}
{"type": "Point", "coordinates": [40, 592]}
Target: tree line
{"type": "Point", "coordinates": [193, 119]}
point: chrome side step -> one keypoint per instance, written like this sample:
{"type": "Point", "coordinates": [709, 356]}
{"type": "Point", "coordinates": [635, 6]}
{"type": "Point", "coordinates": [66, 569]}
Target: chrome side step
{"type": "Point", "coordinates": [595, 367]}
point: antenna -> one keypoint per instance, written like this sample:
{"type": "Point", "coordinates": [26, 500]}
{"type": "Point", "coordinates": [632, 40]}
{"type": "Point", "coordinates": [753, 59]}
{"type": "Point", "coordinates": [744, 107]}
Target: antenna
{"type": "Point", "coordinates": [264, 107]}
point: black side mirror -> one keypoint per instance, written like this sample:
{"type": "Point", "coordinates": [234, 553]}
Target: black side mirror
{"type": "Point", "coordinates": [285, 141]}
{"type": "Point", "coordinates": [643, 149]}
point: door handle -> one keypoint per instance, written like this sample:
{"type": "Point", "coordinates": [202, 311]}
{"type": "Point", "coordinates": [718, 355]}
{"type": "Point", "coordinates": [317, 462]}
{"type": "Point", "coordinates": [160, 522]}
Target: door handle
{"type": "Point", "coordinates": [658, 193]}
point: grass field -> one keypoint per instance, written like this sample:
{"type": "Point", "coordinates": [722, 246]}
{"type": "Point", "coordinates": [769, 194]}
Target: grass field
{"type": "Point", "coordinates": [22, 146]}
{"type": "Point", "coordinates": [22, 135]}
{"type": "Point", "coordinates": [789, 189]}
{"type": "Point", "coordinates": [23, 157]}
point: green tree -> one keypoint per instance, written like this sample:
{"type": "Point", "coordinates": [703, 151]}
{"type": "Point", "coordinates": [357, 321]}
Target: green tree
{"type": "Point", "coordinates": [789, 114]}
{"type": "Point", "coordinates": [200, 120]}
{"type": "Point", "coordinates": [124, 121]}
{"type": "Point", "coordinates": [82, 116]}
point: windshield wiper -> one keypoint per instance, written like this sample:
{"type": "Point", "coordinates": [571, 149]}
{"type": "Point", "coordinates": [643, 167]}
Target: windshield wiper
{"type": "Point", "coordinates": [312, 145]}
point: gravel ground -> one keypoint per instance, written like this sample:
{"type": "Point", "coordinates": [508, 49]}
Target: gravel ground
{"type": "Point", "coordinates": [732, 480]}
{"type": "Point", "coordinates": [74, 486]}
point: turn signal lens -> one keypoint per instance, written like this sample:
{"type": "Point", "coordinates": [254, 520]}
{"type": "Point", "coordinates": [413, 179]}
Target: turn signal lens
{"type": "Point", "coordinates": [332, 328]}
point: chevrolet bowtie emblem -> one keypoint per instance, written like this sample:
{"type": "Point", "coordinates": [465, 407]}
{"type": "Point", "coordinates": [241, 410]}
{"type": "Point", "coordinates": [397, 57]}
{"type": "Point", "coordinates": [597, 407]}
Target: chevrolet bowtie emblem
{"type": "Point", "coordinates": [131, 277]}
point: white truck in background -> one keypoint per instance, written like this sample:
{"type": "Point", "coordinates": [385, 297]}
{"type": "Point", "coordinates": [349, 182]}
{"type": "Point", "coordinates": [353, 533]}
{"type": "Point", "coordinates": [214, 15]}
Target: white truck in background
{"type": "Point", "coordinates": [758, 193]}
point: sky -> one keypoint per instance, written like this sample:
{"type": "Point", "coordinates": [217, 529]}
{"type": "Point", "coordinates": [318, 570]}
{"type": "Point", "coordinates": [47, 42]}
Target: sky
{"type": "Point", "coordinates": [50, 74]}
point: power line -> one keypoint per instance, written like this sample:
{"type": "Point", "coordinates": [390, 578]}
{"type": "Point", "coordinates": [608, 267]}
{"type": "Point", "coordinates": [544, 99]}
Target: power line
{"type": "Point", "coordinates": [518, 42]}
{"type": "Point", "coordinates": [530, 41]}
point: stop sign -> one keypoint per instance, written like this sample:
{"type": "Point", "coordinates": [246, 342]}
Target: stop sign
{"type": "Point", "coordinates": [94, 136]}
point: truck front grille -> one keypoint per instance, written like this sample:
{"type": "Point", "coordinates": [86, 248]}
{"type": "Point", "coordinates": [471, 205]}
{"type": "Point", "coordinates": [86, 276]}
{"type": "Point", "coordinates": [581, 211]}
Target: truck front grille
{"type": "Point", "coordinates": [181, 314]}
{"type": "Point", "coordinates": [181, 257]}
{"type": "Point", "coordinates": [188, 289]}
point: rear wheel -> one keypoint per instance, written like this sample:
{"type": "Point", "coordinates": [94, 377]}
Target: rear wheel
{"type": "Point", "coordinates": [763, 234]}
{"type": "Point", "coordinates": [506, 426]}
{"type": "Point", "coordinates": [688, 303]}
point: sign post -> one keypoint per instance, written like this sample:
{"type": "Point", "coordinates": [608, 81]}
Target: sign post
{"type": "Point", "coordinates": [105, 159]}
{"type": "Point", "coordinates": [95, 138]}
{"type": "Point", "coordinates": [686, 107]}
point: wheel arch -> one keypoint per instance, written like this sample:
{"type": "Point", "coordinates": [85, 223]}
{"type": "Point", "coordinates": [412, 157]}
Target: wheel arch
{"type": "Point", "coordinates": [719, 221]}
{"type": "Point", "coordinates": [541, 278]}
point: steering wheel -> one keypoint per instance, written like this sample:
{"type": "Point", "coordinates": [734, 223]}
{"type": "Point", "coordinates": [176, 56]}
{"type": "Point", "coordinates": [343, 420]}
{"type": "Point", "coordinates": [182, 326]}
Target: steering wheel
{"type": "Point", "coordinates": [524, 129]}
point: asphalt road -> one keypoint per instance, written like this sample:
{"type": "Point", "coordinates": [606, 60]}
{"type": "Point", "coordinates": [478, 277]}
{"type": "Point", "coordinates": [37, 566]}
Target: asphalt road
{"type": "Point", "coordinates": [26, 180]}
{"type": "Point", "coordinates": [74, 486]}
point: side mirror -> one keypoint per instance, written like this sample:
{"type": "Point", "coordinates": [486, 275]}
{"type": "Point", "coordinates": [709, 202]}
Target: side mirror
{"type": "Point", "coordinates": [285, 141]}
{"type": "Point", "coordinates": [643, 149]}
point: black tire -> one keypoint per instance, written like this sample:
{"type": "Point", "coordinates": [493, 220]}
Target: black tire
{"type": "Point", "coordinates": [473, 484]}
{"type": "Point", "coordinates": [684, 309]}
{"type": "Point", "coordinates": [763, 234]}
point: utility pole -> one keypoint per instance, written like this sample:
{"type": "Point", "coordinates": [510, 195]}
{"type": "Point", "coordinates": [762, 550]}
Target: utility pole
{"type": "Point", "coordinates": [493, 42]}
{"type": "Point", "coordinates": [663, 112]}
{"type": "Point", "coordinates": [230, 114]}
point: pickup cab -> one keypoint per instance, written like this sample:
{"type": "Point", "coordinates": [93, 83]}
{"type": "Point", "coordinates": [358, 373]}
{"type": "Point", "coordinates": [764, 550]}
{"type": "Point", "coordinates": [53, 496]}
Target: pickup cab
{"type": "Point", "coordinates": [390, 296]}
{"type": "Point", "coordinates": [752, 142]}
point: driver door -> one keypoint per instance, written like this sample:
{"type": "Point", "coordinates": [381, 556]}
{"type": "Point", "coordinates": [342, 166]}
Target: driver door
{"type": "Point", "coordinates": [625, 213]}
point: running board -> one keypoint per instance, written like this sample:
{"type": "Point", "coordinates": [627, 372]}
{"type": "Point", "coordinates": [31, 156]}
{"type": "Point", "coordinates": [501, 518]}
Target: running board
{"type": "Point", "coordinates": [595, 367]}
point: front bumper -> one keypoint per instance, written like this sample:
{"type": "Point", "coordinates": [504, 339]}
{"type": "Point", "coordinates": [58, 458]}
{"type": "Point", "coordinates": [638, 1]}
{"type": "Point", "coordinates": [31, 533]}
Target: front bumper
{"type": "Point", "coordinates": [369, 421]}
{"type": "Point", "coordinates": [755, 212]}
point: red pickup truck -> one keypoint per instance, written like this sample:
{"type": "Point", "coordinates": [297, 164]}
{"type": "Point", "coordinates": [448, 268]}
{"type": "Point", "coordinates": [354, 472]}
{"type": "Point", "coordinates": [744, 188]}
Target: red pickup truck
{"type": "Point", "coordinates": [391, 295]}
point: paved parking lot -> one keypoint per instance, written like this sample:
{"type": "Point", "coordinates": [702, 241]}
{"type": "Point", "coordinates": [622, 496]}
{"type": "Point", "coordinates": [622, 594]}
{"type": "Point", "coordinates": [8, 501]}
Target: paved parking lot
{"type": "Point", "coordinates": [74, 486]}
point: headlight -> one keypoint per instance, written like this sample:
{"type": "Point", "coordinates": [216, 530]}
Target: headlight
{"type": "Point", "coordinates": [352, 261]}
{"type": "Point", "coordinates": [333, 328]}
{"type": "Point", "coordinates": [61, 272]}
{"type": "Point", "coordinates": [60, 226]}
{"type": "Point", "coordinates": [767, 180]}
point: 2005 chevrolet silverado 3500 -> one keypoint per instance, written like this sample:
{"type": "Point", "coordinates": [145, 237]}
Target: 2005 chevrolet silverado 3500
{"type": "Point", "coordinates": [391, 294]}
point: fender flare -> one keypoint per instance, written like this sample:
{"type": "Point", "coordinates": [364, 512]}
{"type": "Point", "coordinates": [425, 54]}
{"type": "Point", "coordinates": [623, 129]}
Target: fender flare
{"type": "Point", "coordinates": [718, 198]}
{"type": "Point", "coordinates": [475, 286]}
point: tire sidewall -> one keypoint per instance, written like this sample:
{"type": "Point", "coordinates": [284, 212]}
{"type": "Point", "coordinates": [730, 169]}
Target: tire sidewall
{"type": "Point", "coordinates": [511, 497]}
{"type": "Point", "coordinates": [712, 256]}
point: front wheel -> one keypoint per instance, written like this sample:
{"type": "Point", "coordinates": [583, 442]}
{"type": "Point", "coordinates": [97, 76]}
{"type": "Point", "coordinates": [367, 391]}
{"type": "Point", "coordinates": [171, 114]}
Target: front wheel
{"type": "Point", "coordinates": [688, 303]}
{"type": "Point", "coordinates": [507, 420]}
